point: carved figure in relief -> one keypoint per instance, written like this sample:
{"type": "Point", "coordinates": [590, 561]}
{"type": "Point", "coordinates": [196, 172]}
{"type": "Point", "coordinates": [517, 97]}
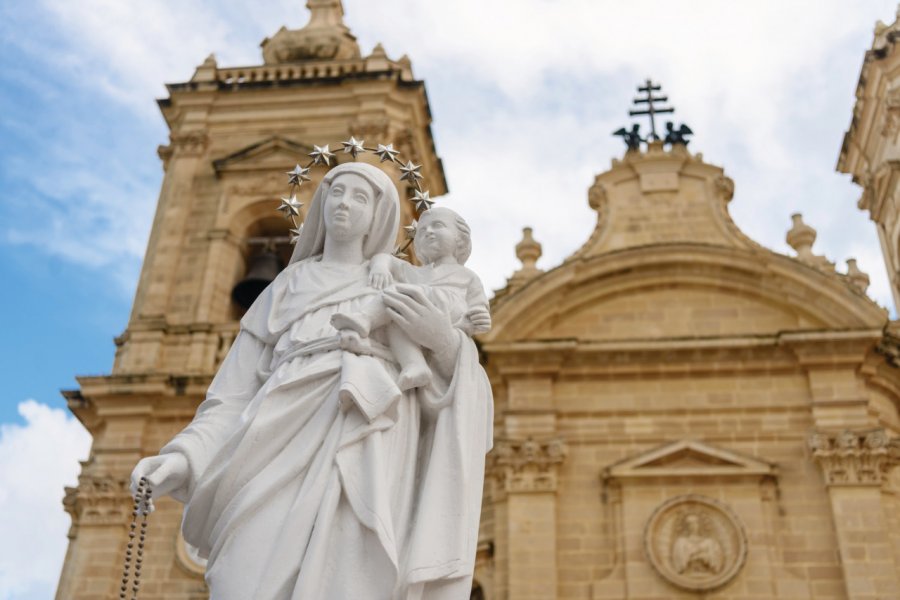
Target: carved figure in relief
{"type": "Point", "coordinates": [291, 493]}
{"type": "Point", "coordinates": [443, 244]}
{"type": "Point", "coordinates": [694, 551]}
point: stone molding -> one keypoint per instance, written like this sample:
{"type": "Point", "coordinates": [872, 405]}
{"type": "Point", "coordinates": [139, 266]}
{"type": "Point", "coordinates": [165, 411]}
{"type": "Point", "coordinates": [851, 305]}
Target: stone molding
{"type": "Point", "coordinates": [526, 466]}
{"type": "Point", "coordinates": [689, 458]}
{"type": "Point", "coordinates": [855, 458]}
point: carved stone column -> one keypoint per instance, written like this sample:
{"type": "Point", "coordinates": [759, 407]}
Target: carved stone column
{"type": "Point", "coordinates": [524, 476]}
{"type": "Point", "coordinates": [855, 465]}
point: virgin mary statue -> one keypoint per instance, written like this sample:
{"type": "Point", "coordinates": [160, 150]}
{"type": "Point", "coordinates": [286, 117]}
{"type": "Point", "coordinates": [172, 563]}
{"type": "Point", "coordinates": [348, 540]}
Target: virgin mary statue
{"type": "Point", "coordinates": [291, 493]}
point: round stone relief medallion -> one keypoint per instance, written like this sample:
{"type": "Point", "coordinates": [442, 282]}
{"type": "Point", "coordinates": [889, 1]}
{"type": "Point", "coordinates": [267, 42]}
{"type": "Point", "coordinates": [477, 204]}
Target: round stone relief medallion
{"type": "Point", "coordinates": [695, 542]}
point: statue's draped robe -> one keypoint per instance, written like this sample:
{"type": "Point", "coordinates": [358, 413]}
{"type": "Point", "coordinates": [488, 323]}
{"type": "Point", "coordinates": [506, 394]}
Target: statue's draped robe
{"type": "Point", "coordinates": [292, 497]}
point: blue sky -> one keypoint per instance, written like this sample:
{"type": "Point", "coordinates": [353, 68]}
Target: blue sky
{"type": "Point", "coordinates": [524, 95]}
{"type": "Point", "coordinates": [80, 127]}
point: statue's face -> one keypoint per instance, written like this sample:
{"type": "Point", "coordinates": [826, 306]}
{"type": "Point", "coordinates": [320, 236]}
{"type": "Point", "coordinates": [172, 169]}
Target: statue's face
{"type": "Point", "coordinates": [436, 235]}
{"type": "Point", "coordinates": [349, 207]}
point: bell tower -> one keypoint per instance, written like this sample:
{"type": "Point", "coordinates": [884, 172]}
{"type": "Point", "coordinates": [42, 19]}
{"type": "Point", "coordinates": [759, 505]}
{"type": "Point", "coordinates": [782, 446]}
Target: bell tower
{"type": "Point", "coordinates": [871, 148]}
{"type": "Point", "coordinates": [234, 132]}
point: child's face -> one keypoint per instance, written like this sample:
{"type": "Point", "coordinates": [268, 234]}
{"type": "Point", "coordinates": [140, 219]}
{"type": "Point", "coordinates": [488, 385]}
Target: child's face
{"type": "Point", "coordinates": [436, 236]}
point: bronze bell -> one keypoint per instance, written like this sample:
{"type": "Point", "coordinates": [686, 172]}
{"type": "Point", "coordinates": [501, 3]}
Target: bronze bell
{"type": "Point", "coordinates": [263, 269]}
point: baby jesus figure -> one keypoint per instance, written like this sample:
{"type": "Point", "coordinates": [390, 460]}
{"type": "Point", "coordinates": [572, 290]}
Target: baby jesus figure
{"type": "Point", "coordinates": [443, 244]}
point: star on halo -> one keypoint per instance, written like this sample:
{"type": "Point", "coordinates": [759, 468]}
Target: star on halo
{"type": "Point", "coordinates": [410, 230]}
{"type": "Point", "coordinates": [387, 152]}
{"type": "Point", "coordinates": [295, 234]}
{"type": "Point", "coordinates": [298, 175]}
{"type": "Point", "coordinates": [400, 253]}
{"type": "Point", "coordinates": [422, 200]}
{"type": "Point", "coordinates": [321, 155]}
{"type": "Point", "coordinates": [290, 207]}
{"type": "Point", "coordinates": [353, 146]}
{"type": "Point", "coordinates": [411, 171]}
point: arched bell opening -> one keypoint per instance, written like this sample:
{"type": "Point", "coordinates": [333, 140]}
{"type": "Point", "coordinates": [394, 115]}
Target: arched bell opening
{"type": "Point", "coordinates": [266, 249]}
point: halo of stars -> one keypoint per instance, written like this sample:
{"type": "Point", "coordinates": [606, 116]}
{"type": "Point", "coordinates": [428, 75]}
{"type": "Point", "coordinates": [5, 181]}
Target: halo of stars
{"type": "Point", "coordinates": [323, 155]}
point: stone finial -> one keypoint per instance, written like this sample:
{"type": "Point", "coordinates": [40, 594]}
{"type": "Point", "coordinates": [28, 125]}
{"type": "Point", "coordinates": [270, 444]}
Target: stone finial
{"type": "Point", "coordinates": [858, 278]}
{"type": "Point", "coordinates": [800, 237]}
{"type": "Point", "coordinates": [325, 13]}
{"type": "Point", "coordinates": [207, 70]}
{"type": "Point", "coordinates": [378, 59]}
{"type": "Point", "coordinates": [528, 252]}
{"type": "Point", "coordinates": [406, 67]}
{"type": "Point", "coordinates": [325, 37]}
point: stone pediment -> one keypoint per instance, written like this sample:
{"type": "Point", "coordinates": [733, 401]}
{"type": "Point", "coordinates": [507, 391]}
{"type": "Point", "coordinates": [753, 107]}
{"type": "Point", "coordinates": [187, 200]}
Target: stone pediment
{"type": "Point", "coordinates": [662, 197]}
{"type": "Point", "coordinates": [274, 152]}
{"type": "Point", "coordinates": [689, 458]}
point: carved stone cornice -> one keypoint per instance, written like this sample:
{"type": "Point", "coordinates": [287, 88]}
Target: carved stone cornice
{"type": "Point", "coordinates": [98, 500]}
{"type": "Point", "coordinates": [257, 187]}
{"type": "Point", "coordinates": [526, 466]}
{"type": "Point", "coordinates": [855, 458]}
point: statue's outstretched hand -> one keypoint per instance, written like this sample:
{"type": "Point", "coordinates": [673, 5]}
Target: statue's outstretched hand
{"type": "Point", "coordinates": [164, 473]}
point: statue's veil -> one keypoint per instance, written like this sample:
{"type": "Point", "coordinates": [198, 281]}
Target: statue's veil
{"type": "Point", "coordinates": [385, 218]}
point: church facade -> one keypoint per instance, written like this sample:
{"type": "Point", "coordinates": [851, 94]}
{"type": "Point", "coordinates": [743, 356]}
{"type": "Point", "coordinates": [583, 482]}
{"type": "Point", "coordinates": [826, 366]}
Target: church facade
{"type": "Point", "coordinates": [680, 412]}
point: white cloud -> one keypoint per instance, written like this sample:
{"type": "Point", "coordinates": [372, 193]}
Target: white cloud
{"type": "Point", "coordinates": [37, 460]}
{"type": "Point", "coordinates": [527, 94]}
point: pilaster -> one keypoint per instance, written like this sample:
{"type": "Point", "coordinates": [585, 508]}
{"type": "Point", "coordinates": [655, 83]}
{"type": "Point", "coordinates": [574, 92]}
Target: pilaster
{"type": "Point", "coordinates": [524, 473]}
{"type": "Point", "coordinates": [854, 465]}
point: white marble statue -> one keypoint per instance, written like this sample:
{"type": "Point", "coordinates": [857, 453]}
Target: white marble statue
{"type": "Point", "coordinates": [308, 473]}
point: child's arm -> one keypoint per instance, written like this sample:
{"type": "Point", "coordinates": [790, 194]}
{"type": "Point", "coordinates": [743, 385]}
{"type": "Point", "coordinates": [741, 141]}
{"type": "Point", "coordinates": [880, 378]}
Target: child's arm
{"type": "Point", "coordinates": [380, 271]}
{"type": "Point", "coordinates": [384, 269]}
{"type": "Point", "coordinates": [478, 317]}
